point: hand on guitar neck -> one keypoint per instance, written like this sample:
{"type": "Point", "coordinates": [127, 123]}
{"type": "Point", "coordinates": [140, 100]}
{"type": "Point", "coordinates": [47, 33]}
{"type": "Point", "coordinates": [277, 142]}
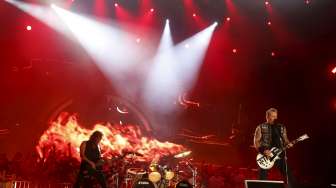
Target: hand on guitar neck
{"type": "Point", "coordinates": [268, 152]}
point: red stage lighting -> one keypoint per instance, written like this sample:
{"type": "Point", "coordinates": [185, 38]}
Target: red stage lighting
{"type": "Point", "coordinates": [152, 10]}
{"type": "Point", "coordinates": [116, 5]}
{"type": "Point", "coordinates": [267, 3]}
{"type": "Point", "coordinates": [228, 19]}
{"type": "Point", "coordinates": [273, 54]}
{"type": "Point", "coordinates": [194, 15]}
{"type": "Point", "coordinates": [28, 28]}
{"type": "Point", "coordinates": [333, 70]}
{"type": "Point", "coordinates": [269, 23]}
{"type": "Point", "coordinates": [234, 50]}
{"type": "Point", "coordinates": [307, 2]}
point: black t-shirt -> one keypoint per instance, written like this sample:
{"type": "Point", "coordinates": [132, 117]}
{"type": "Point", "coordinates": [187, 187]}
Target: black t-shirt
{"type": "Point", "coordinates": [276, 136]}
{"type": "Point", "coordinates": [92, 151]}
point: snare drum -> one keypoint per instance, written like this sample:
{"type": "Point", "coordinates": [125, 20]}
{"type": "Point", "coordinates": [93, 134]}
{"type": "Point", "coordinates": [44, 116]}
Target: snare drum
{"type": "Point", "coordinates": [133, 174]}
{"type": "Point", "coordinates": [137, 172]}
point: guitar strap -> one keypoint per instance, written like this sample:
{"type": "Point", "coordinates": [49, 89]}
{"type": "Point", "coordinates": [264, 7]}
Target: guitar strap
{"type": "Point", "coordinates": [280, 133]}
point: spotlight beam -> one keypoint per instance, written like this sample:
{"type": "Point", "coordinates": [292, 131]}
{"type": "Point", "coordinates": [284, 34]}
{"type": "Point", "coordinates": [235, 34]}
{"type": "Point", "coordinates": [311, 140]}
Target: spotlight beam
{"type": "Point", "coordinates": [41, 13]}
{"type": "Point", "coordinates": [175, 69]}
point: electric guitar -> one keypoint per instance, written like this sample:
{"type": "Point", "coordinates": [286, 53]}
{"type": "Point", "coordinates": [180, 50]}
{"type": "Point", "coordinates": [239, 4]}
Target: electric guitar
{"type": "Point", "coordinates": [101, 163]}
{"type": "Point", "coordinates": [267, 162]}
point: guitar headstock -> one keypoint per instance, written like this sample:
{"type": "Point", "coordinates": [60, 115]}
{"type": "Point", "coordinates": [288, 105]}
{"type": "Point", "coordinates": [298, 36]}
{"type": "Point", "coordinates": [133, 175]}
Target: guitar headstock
{"type": "Point", "coordinates": [303, 137]}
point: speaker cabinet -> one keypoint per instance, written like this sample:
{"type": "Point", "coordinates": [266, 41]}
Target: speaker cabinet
{"type": "Point", "coordinates": [264, 184]}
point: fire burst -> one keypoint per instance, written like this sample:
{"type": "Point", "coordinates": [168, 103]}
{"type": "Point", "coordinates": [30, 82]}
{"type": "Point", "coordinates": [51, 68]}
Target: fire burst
{"type": "Point", "coordinates": [65, 135]}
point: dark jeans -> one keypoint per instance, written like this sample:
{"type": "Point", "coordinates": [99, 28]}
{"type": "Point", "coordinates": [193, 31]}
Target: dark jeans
{"type": "Point", "coordinates": [85, 176]}
{"type": "Point", "coordinates": [280, 164]}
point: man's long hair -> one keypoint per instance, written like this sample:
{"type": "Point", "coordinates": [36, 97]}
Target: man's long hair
{"type": "Point", "coordinates": [95, 135]}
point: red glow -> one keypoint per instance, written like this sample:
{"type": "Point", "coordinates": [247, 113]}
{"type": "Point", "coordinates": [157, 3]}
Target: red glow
{"type": "Point", "coordinates": [65, 136]}
{"type": "Point", "coordinates": [146, 10]}
{"type": "Point", "coordinates": [228, 19]}
{"type": "Point", "coordinates": [192, 14]}
{"type": "Point", "coordinates": [267, 3]}
{"type": "Point", "coordinates": [116, 5]}
{"type": "Point", "coordinates": [138, 40]}
{"type": "Point", "coordinates": [234, 50]}
{"type": "Point", "coordinates": [122, 14]}
{"type": "Point", "coordinates": [307, 1]}
{"type": "Point", "coordinates": [269, 23]}
{"type": "Point", "coordinates": [273, 54]}
{"type": "Point", "coordinates": [69, 3]}
{"type": "Point", "coordinates": [333, 104]}
{"type": "Point", "coordinates": [279, 29]}
{"type": "Point", "coordinates": [231, 8]}
{"type": "Point", "coordinates": [334, 70]}
{"type": "Point", "coordinates": [100, 8]}
{"type": "Point", "coordinates": [28, 28]}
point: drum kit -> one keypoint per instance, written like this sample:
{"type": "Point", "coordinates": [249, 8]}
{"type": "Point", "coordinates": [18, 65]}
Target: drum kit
{"type": "Point", "coordinates": [169, 172]}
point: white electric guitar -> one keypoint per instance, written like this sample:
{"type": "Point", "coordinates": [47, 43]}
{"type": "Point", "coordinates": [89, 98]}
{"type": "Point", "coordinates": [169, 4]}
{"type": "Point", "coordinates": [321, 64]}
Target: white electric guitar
{"type": "Point", "coordinates": [267, 162]}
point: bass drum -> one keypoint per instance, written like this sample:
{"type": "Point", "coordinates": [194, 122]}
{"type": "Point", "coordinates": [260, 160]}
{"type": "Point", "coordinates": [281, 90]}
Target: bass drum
{"type": "Point", "coordinates": [168, 174]}
{"type": "Point", "coordinates": [183, 184]}
{"type": "Point", "coordinates": [154, 177]}
{"type": "Point", "coordinates": [144, 183]}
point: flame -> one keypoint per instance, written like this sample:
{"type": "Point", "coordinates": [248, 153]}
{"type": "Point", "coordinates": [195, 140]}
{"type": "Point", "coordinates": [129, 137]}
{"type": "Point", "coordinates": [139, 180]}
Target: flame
{"type": "Point", "coordinates": [64, 136]}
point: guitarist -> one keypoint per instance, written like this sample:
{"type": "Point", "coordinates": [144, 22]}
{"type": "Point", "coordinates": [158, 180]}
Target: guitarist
{"type": "Point", "coordinates": [90, 155]}
{"type": "Point", "coordinates": [272, 134]}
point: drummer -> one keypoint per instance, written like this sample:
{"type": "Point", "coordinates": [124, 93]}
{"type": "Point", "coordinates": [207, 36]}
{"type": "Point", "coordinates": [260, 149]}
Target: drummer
{"type": "Point", "coordinates": [154, 164]}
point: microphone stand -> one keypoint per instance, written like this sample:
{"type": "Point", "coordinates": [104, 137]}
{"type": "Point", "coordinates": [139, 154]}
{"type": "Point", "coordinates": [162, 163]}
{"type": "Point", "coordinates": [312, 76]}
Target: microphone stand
{"type": "Point", "coordinates": [286, 167]}
{"type": "Point", "coordinates": [285, 158]}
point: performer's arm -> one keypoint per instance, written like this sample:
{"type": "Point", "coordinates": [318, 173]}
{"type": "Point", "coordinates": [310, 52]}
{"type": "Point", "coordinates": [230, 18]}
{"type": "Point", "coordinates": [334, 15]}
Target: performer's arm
{"type": "Point", "coordinates": [83, 157]}
{"type": "Point", "coordinates": [257, 141]}
{"type": "Point", "coordinates": [257, 138]}
{"type": "Point", "coordinates": [286, 140]}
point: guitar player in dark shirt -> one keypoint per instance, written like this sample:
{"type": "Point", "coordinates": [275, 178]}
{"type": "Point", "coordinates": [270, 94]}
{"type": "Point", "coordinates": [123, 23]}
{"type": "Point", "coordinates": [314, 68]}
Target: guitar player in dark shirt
{"type": "Point", "coordinates": [90, 155]}
{"type": "Point", "coordinates": [272, 134]}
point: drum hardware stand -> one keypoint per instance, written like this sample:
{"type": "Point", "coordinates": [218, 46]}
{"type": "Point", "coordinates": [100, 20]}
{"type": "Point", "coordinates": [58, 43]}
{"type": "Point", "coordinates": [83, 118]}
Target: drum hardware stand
{"type": "Point", "coordinates": [194, 174]}
{"type": "Point", "coordinates": [164, 183]}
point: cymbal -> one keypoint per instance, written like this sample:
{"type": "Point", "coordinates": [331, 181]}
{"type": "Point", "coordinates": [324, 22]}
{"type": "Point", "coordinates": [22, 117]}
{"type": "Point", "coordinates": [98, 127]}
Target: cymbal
{"type": "Point", "coordinates": [183, 154]}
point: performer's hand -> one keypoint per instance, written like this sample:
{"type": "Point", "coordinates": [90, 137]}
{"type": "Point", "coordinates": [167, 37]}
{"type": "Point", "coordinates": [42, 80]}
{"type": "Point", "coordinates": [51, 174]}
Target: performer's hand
{"type": "Point", "coordinates": [268, 153]}
{"type": "Point", "coordinates": [93, 165]}
{"type": "Point", "coordinates": [290, 145]}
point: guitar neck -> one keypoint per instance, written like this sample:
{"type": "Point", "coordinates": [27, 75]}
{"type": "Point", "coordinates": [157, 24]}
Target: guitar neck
{"type": "Point", "coordinates": [301, 138]}
{"type": "Point", "coordinates": [292, 142]}
{"type": "Point", "coordinates": [295, 141]}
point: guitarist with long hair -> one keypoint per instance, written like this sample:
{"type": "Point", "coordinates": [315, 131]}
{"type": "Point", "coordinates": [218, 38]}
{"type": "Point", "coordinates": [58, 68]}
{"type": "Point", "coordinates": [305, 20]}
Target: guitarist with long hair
{"type": "Point", "coordinates": [269, 135]}
{"type": "Point", "coordinates": [90, 155]}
